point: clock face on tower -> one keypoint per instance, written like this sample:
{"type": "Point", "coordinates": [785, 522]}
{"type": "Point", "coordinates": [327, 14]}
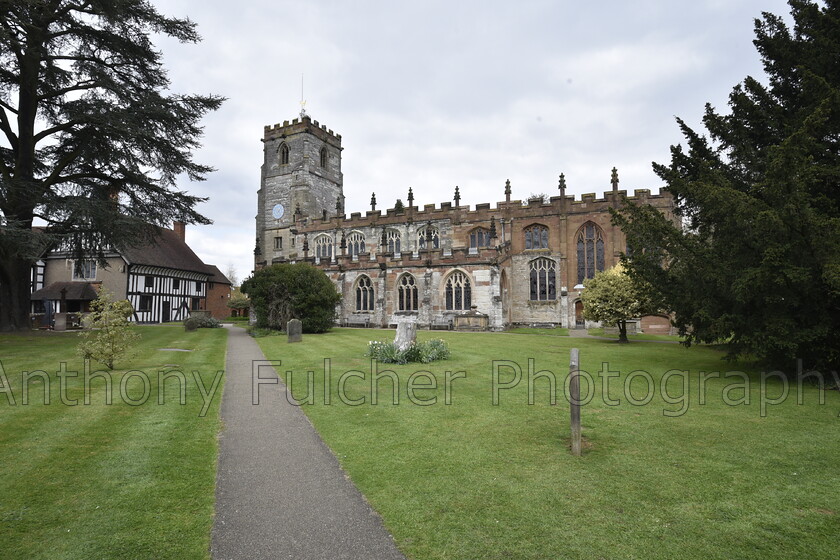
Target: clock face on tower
{"type": "Point", "coordinates": [278, 211]}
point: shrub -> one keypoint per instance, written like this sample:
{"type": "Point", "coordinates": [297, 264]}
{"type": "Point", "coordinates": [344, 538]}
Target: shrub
{"type": "Point", "coordinates": [110, 336]}
{"type": "Point", "coordinates": [201, 322]}
{"type": "Point", "coordinates": [283, 292]}
{"type": "Point", "coordinates": [424, 352]}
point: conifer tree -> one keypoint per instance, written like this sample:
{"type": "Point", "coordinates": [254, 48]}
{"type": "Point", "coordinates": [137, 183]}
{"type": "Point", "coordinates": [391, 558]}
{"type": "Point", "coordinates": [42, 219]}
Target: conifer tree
{"type": "Point", "coordinates": [91, 140]}
{"type": "Point", "coordinates": [756, 261]}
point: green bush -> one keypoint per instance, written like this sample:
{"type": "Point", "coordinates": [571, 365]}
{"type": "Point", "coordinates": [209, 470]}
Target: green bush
{"type": "Point", "coordinates": [282, 292]}
{"type": "Point", "coordinates": [201, 322]}
{"type": "Point", "coordinates": [423, 352]}
{"type": "Point", "coordinates": [110, 336]}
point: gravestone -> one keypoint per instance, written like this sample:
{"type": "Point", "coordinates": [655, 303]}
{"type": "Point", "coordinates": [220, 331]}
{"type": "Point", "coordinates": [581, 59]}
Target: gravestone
{"type": "Point", "coordinates": [294, 329]}
{"type": "Point", "coordinates": [60, 322]}
{"type": "Point", "coordinates": [406, 334]}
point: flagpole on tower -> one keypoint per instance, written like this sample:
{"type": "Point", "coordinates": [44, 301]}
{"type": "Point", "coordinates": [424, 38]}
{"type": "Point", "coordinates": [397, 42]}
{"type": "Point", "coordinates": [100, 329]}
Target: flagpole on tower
{"type": "Point", "coordinates": [302, 100]}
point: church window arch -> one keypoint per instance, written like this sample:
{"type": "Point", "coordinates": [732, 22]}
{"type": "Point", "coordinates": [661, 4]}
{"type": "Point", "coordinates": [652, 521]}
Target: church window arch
{"type": "Point", "coordinates": [590, 251]}
{"type": "Point", "coordinates": [479, 237]}
{"type": "Point", "coordinates": [324, 247]}
{"type": "Point", "coordinates": [284, 154]}
{"type": "Point", "coordinates": [407, 293]}
{"type": "Point", "coordinates": [394, 240]}
{"type": "Point", "coordinates": [323, 158]}
{"type": "Point", "coordinates": [536, 237]}
{"type": "Point", "coordinates": [458, 292]}
{"type": "Point", "coordinates": [543, 280]}
{"type": "Point", "coordinates": [364, 294]}
{"type": "Point", "coordinates": [423, 235]}
{"type": "Point", "coordinates": [356, 243]}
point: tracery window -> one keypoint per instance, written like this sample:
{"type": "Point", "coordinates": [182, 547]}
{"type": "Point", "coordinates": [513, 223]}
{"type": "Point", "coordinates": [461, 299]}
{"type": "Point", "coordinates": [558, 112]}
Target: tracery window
{"type": "Point", "coordinates": [323, 158]}
{"type": "Point", "coordinates": [479, 237]}
{"type": "Point", "coordinates": [284, 154]}
{"type": "Point", "coordinates": [355, 243]}
{"type": "Point", "coordinates": [458, 292]}
{"type": "Point", "coordinates": [324, 247]}
{"type": "Point", "coordinates": [543, 280]}
{"type": "Point", "coordinates": [536, 237]}
{"type": "Point", "coordinates": [394, 243]}
{"type": "Point", "coordinates": [364, 294]}
{"type": "Point", "coordinates": [421, 237]}
{"type": "Point", "coordinates": [590, 251]}
{"type": "Point", "coordinates": [407, 293]}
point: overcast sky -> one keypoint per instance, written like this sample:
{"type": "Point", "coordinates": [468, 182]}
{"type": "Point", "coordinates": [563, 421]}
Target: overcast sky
{"type": "Point", "coordinates": [433, 94]}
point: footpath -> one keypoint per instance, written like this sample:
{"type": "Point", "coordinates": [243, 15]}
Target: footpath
{"type": "Point", "coordinates": [280, 492]}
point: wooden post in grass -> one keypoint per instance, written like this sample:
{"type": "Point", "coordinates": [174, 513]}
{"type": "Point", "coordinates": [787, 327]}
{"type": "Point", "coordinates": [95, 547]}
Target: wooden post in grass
{"type": "Point", "coordinates": [574, 400]}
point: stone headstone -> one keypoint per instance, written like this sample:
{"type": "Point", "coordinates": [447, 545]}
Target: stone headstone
{"type": "Point", "coordinates": [60, 322]}
{"type": "Point", "coordinates": [294, 329]}
{"type": "Point", "coordinates": [406, 333]}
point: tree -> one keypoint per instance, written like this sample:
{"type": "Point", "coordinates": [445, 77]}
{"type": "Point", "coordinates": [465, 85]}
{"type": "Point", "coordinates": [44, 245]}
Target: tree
{"type": "Point", "coordinates": [756, 261]}
{"type": "Point", "coordinates": [612, 297]}
{"type": "Point", "coordinates": [231, 275]}
{"type": "Point", "coordinates": [282, 292]}
{"type": "Point", "coordinates": [239, 301]}
{"type": "Point", "coordinates": [110, 336]}
{"type": "Point", "coordinates": [92, 141]}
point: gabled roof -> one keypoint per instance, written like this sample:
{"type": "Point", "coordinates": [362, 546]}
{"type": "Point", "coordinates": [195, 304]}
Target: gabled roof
{"type": "Point", "coordinates": [168, 250]}
{"type": "Point", "coordinates": [216, 275]}
{"type": "Point", "coordinates": [75, 291]}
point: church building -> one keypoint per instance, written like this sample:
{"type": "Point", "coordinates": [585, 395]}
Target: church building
{"type": "Point", "coordinates": [515, 263]}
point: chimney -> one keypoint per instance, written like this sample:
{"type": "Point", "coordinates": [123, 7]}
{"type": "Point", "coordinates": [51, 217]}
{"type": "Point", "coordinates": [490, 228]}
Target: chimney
{"type": "Point", "coordinates": [180, 229]}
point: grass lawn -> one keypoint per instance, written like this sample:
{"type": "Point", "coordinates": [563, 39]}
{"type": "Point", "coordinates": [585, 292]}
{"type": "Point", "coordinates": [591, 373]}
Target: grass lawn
{"type": "Point", "coordinates": [109, 481]}
{"type": "Point", "coordinates": [550, 332]}
{"type": "Point", "coordinates": [473, 480]}
{"type": "Point", "coordinates": [639, 336]}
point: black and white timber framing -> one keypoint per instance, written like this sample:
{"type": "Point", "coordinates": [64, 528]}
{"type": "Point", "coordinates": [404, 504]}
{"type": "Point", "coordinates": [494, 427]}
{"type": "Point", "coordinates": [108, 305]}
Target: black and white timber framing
{"type": "Point", "coordinates": [160, 295]}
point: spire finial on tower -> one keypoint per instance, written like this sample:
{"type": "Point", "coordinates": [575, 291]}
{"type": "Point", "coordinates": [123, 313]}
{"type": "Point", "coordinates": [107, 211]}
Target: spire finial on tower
{"type": "Point", "coordinates": [410, 198]}
{"type": "Point", "coordinates": [614, 179]}
{"type": "Point", "coordinates": [507, 190]}
{"type": "Point", "coordinates": [457, 196]}
{"type": "Point", "coordinates": [373, 202]}
{"type": "Point", "coordinates": [562, 185]}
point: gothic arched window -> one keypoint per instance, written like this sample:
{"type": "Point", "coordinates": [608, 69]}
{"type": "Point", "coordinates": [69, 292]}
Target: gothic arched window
{"type": "Point", "coordinates": [356, 243]}
{"type": "Point", "coordinates": [407, 293]}
{"type": "Point", "coordinates": [590, 251]}
{"type": "Point", "coordinates": [458, 292]}
{"type": "Point", "coordinates": [394, 238]}
{"type": "Point", "coordinates": [284, 154]}
{"type": "Point", "coordinates": [422, 236]}
{"type": "Point", "coordinates": [543, 280]}
{"type": "Point", "coordinates": [479, 237]}
{"type": "Point", "coordinates": [323, 158]}
{"type": "Point", "coordinates": [324, 247]}
{"type": "Point", "coordinates": [536, 237]}
{"type": "Point", "coordinates": [364, 294]}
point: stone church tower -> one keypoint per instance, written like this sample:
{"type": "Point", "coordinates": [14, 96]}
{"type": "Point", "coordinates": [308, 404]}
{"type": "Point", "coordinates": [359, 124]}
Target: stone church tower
{"type": "Point", "coordinates": [301, 179]}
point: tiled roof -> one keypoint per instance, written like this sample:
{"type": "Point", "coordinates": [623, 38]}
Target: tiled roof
{"type": "Point", "coordinates": [75, 291]}
{"type": "Point", "coordinates": [216, 275]}
{"type": "Point", "coordinates": [168, 250]}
